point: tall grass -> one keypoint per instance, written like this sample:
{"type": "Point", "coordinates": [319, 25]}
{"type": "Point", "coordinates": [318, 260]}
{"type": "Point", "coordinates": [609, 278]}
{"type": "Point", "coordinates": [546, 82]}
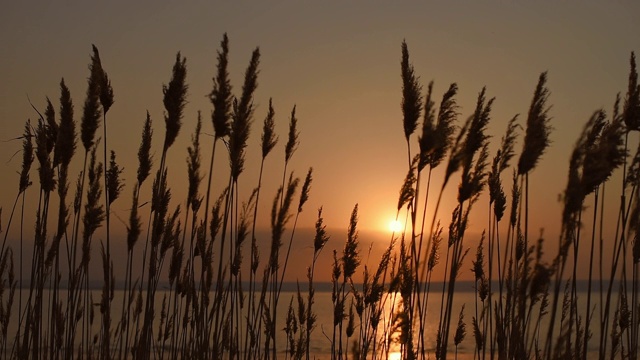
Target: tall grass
{"type": "Point", "coordinates": [224, 288]}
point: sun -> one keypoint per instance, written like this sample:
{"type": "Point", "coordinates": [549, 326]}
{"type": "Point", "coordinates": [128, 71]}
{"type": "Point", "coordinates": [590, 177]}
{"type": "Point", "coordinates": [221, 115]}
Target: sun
{"type": "Point", "coordinates": [395, 226]}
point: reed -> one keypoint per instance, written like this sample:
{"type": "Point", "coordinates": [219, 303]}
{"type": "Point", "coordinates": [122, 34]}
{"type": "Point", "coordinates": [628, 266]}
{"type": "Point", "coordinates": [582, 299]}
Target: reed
{"type": "Point", "coordinates": [209, 251]}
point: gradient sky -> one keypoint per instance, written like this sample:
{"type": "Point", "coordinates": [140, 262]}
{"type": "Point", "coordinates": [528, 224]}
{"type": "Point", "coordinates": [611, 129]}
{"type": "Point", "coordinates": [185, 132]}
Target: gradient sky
{"type": "Point", "coordinates": [339, 63]}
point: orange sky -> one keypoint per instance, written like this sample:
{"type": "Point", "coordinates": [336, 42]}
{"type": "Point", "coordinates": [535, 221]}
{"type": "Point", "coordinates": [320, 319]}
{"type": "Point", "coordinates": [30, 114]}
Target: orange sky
{"type": "Point", "coordinates": [339, 63]}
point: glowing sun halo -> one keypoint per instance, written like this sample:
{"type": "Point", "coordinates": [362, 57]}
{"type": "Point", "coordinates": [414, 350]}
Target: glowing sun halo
{"type": "Point", "coordinates": [395, 226]}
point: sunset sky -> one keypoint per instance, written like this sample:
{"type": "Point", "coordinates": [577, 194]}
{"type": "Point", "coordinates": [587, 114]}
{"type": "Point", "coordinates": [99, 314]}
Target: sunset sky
{"type": "Point", "coordinates": [339, 64]}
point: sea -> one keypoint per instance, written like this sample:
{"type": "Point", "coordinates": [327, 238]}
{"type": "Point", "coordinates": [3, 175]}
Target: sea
{"type": "Point", "coordinates": [320, 343]}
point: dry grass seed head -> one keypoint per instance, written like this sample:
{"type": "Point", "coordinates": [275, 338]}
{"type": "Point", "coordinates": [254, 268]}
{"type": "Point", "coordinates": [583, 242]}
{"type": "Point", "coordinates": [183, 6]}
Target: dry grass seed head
{"type": "Point", "coordinates": [66, 140]}
{"type": "Point", "coordinates": [306, 187]}
{"type": "Point", "coordinates": [135, 224]}
{"type": "Point", "coordinates": [605, 155]}
{"type": "Point", "coordinates": [27, 158]}
{"type": "Point", "coordinates": [171, 232]}
{"type": "Point", "coordinates": [221, 96]}
{"type": "Point", "coordinates": [350, 255]}
{"type": "Point", "coordinates": [461, 329]}
{"type": "Point", "coordinates": [91, 110]}
{"type": "Point", "coordinates": [536, 138]}
{"type": "Point", "coordinates": [94, 211]}
{"type": "Point", "coordinates": [175, 100]}
{"type": "Point", "coordinates": [478, 264]}
{"type": "Point", "coordinates": [115, 183]}
{"type": "Point", "coordinates": [293, 142]}
{"type": "Point", "coordinates": [269, 137]}
{"type": "Point", "coordinates": [456, 152]}
{"type": "Point", "coordinates": [474, 183]}
{"type": "Point", "coordinates": [411, 97]}
{"type": "Point", "coordinates": [407, 192]}
{"type": "Point", "coordinates": [447, 115]}
{"type": "Point", "coordinates": [193, 164]}
{"type": "Point", "coordinates": [242, 117]}
{"type": "Point", "coordinates": [631, 112]}
{"type": "Point", "coordinates": [280, 216]}
{"type": "Point", "coordinates": [45, 172]}
{"type": "Point", "coordinates": [144, 152]}
{"type": "Point", "coordinates": [427, 140]}
{"type": "Point", "coordinates": [321, 236]}
{"type": "Point", "coordinates": [434, 256]}
{"type": "Point", "coordinates": [576, 191]}
{"type": "Point", "coordinates": [51, 126]}
{"type": "Point", "coordinates": [245, 106]}
{"type": "Point", "coordinates": [104, 84]}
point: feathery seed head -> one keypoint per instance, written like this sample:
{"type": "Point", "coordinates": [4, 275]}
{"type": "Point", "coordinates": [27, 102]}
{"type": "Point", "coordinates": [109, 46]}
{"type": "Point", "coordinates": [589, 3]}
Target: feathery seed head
{"type": "Point", "coordinates": [93, 210]}
{"type": "Point", "coordinates": [193, 164]}
{"type": "Point", "coordinates": [434, 257]}
{"type": "Point", "coordinates": [238, 141]}
{"type": "Point", "coordinates": [135, 224]}
{"type": "Point", "coordinates": [66, 140]}
{"type": "Point", "coordinates": [506, 147]}
{"type": "Point", "coordinates": [427, 140]}
{"type": "Point", "coordinates": [114, 181]}
{"type": "Point", "coordinates": [515, 199]}
{"type": "Point", "coordinates": [91, 110]}
{"type": "Point", "coordinates": [216, 216]}
{"type": "Point", "coordinates": [221, 96]}
{"type": "Point", "coordinates": [306, 187]}
{"type": "Point", "coordinates": [411, 97]}
{"type": "Point", "coordinates": [292, 143]}
{"type": "Point", "coordinates": [350, 255]}
{"type": "Point", "coordinates": [604, 155]}
{"type": "Point", "coordinates": [144, 152]}
{"type": "Point", "coordinates": [536, 138]}
{"type": "Point", "coordinates": [51, 126]}
{"type": "Point", "coordinates": [269, 137]}
{"type": "Point", "coordinates": [321, 237]}
{"type": "Point", "coordinates": [27, 157]}
{"type": "Point", "coordinates": [106, 91]}
{"type": "Point", "coordinates": [447, 115]}
{"type": "Point", "coordinates": [407, 192]}
{"type": "Point", "coordinates": [478, 264]}
{"type": "Point", "coordinates": [175, 100]}
{"type": "Point", "coordinates": [242, 117]}
{"type": "Point", "coordinates": [461, 330]}
{"type": "Point", "coordinates": [245, 106]}
{"type": "Point", "coordinates": [45, 172]}
{"type": "Point", "coordinates": [631, 112]}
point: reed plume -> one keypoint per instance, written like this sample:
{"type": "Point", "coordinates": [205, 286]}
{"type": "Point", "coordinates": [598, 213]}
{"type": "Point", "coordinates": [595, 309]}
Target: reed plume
{"type": "Point", "coordinates": [411, 97]}
{"type": "Point", "coordinates": [145, 161]}
{"type": "Point", "coordinates": [114, 181]}
{"type": "Point", "coordinates": [221, 96]}
{"type": "Point", "coordinates": [193, 166]}
{"type": "Point", "coordinates": [175, 100]}
{"type": "Point", "coordinates": [631, 110]}
{"type": "Point", "coordinates": [222, 100]}
{"type": "Point", "coordinates": [94, 212]}
{"type": "Point", "coordinates": [269, 137]}
{"type": "Point", "coordinates": [91, 109]}
{"type": "Point", "coordinates": [292, 142]}
{"type": "Point", "coordinates": [27, 158]}
{"type": "Point", "coordinates": [437, 133]}
{"type": "Point", "coordinates": [536, 137]}
{"type": "Point", "coordinates": [242, 117]}
{"type": "Point", "coordinates": [66, 141]}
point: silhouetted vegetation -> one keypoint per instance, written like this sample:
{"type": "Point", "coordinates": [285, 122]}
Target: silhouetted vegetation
{"type": "Point", "coordinates": [219, 306]}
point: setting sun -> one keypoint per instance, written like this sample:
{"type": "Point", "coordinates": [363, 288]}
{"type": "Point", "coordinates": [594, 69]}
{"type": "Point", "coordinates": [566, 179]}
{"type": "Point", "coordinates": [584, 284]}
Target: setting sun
{"type": "Point", "coordinates": [395, 226]}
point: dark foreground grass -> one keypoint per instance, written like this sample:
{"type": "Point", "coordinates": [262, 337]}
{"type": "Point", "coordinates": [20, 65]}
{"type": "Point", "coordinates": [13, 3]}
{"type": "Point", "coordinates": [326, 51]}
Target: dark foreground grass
{"type": "Point", "coordinates": [526, 307]}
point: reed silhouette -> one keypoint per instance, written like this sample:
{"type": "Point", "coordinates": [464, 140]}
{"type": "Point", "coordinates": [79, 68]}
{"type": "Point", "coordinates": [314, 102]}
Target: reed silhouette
{"type": "Point", "coordinates": [224, 287]}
